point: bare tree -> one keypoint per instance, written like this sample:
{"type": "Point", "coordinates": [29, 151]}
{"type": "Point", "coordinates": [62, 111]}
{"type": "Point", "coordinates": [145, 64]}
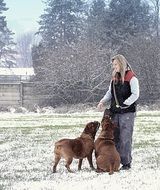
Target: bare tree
{"type": "Point", "coordinates": [74, 74]}
{"type": "Point", "coordinates": [156, 5]}
{"type": "Point", "coordinates": [144, 56]}
{"type": "Point", "coordinates": [24, 43]}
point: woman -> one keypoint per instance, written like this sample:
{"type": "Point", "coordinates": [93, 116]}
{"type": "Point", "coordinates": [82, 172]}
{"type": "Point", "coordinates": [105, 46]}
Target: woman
{"type": "Point", "coordinates": [123, 93]}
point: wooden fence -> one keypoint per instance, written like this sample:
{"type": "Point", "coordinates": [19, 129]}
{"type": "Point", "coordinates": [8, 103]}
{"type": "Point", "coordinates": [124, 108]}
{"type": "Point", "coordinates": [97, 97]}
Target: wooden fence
{"type": "Point", "coordinates": [21, 94]}
{"type": "Point", "coordinates": [17, 94]}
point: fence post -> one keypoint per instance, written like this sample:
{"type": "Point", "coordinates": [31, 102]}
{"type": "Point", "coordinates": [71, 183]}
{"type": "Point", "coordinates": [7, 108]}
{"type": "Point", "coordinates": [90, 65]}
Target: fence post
{"type": "Point", "coordinates": [21, 94]}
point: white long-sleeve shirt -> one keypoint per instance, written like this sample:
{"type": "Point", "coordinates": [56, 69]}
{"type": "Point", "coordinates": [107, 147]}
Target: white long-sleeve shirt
{"type": "Point", "coordinates": [134, 84]}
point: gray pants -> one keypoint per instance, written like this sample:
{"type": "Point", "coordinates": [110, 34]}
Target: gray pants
{"type": "Point", "coordinates": [123, 135]}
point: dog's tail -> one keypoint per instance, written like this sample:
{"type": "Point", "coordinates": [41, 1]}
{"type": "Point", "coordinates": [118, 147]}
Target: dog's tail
{"type": "Point", "coordinates": [57, 147]}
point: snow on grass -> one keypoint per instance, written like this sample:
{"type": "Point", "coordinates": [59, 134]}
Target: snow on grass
{"type": "Point", "coordinates": [26, 153]}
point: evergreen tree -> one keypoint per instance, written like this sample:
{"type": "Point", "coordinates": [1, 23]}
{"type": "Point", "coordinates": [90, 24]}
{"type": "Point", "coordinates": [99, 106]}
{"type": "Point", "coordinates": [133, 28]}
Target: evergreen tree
{"type": "Point", "coordinates": [95, 22]}
{"type": "Point", "coordinates": [62, 22]}
{"type": "Point", "coordinates": [127, 18]}
{"type": "Point", "coordinates": [7, 53]}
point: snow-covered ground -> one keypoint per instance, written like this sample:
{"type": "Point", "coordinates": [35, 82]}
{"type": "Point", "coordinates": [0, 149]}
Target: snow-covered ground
{"type": "Point", "coordinates": [26, 153]}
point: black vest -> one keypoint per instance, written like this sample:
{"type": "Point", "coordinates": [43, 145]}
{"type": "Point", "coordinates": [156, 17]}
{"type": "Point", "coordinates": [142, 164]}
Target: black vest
{"type": "Point", "coordinates": [123, 91]}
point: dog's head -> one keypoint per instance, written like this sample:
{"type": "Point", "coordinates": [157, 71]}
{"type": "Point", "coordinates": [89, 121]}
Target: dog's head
{"type": "Point", "coordinates": [107, 113]}
{"type": "Point", "coordinates": [107, 122]}
{"type": "Point", "coordinates": [107, 127]}
{"type": "Point", "coordinates": [91, 128]}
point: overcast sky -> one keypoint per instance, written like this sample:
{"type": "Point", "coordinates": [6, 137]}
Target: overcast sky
{"type": "Point", "coordinates": [22, 15]}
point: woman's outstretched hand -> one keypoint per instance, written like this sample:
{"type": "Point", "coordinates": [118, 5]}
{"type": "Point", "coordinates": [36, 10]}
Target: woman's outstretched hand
{"type": "Point", "coordinates": [100, 106]}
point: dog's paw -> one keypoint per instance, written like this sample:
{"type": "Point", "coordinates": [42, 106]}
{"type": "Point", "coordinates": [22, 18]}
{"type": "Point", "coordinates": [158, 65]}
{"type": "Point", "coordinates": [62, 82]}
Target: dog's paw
{"type": "Point", "coordinates": [99, 170]}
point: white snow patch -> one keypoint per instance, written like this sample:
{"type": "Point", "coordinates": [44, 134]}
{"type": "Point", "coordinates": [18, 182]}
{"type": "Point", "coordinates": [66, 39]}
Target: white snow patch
{"type": "Point", "coordinates": [26, 153]}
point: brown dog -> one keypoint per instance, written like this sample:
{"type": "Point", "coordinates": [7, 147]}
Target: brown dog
{"type": "Point", "coordinates": [107, 157]}
{"type": "Point", "coordinates": [78, 148]}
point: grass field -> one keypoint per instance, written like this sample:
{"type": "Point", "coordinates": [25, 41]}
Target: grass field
{"type": "Point", "coordinates": [26, 153]}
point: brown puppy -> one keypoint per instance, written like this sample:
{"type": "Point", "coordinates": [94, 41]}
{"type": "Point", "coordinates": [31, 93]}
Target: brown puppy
{"type": "Point", "coordinates": [107, 157]}
{"type": "Point", "coordinates": [78, 148]}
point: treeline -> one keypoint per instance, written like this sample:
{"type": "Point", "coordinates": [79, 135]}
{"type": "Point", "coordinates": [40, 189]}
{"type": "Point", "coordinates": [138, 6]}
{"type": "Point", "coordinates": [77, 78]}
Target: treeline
{"type": "Point", "coordinates": [7, 45]}
{"type": "Point", "coordinates": [72, 60]}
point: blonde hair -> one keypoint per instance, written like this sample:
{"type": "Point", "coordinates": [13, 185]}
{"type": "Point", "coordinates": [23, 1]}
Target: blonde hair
{"type": "Point", "coordinates": [123, 64]}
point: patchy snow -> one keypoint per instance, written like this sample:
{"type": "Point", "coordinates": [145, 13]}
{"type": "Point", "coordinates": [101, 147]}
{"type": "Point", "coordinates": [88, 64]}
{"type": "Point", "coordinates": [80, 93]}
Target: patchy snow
{"type": "Point", "coordinates": [16, 71]}
{"type": "Point", "coordinates": [26, 153]}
